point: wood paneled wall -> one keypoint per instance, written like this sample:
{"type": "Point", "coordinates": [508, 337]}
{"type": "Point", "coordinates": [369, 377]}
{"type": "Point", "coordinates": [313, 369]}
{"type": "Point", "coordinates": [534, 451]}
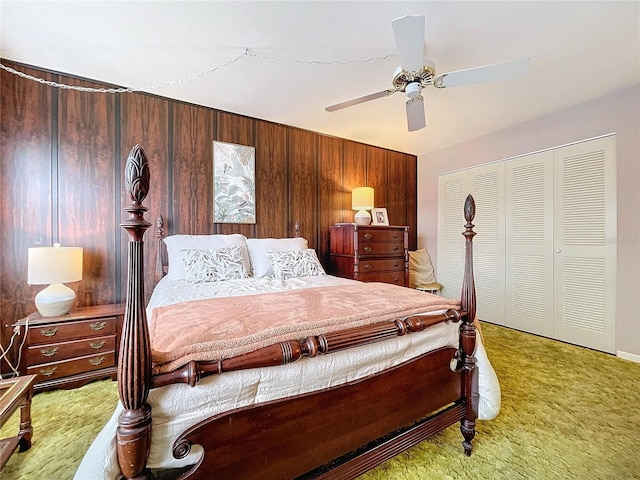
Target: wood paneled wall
{"type": "Point", "coordinates": [63, 154]}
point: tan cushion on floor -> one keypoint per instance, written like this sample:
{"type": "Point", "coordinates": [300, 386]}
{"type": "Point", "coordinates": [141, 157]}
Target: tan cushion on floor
{"type": "Point", "coordinates": [420, 268]}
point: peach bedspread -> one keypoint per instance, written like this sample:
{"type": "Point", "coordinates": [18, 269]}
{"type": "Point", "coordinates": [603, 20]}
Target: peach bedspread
{"type": "Point", "coordinates": [218, 328]}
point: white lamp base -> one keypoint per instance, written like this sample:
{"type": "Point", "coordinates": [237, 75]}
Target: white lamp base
{"type": "Point", "coordinates": [56, 299]}
{"type": "Point", "coordinates": [362, 217]}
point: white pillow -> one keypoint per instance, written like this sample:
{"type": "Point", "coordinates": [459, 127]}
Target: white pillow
{"type": "Point", "coordinates": [213, 264]}
{"type": "Point", "coordinates": [176, 243]}
{"type": "Point", "coordinates": [258, 248]}
{"type": "Point", "coordinates": [298, 263]}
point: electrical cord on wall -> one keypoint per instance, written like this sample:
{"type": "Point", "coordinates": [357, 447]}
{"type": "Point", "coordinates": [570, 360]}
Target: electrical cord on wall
{"type": "Point", "coordinates": [5, 353]}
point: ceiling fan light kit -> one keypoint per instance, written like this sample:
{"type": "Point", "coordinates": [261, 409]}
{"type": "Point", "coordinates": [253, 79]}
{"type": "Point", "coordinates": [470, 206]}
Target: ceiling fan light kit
{"type": "Point", "coordinates": [415, 72]}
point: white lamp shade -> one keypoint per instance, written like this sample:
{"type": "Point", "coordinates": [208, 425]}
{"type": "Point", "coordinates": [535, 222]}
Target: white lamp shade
{"type": "Point", "coordinates": [362, 198]}
{"type": "Point", "coordinates": [54, 265]}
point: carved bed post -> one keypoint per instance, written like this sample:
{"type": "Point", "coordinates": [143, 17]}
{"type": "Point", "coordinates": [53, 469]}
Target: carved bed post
{"type": "Point", "coordinates": [133, 436]}
{"type": "Point", "coordinates": [468, 332]}
{"type": "Point", "coordinates": [159, 236]}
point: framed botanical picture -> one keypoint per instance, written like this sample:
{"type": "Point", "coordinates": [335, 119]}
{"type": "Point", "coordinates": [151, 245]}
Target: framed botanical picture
{"type": "Point", "coordinates": [379, 216]}
{"type": "Point", "coordinates": [234, 183]}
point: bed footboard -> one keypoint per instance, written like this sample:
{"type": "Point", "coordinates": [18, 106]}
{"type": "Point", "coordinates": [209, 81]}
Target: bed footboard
{"type": "Point", "coordinates": [339, 432]}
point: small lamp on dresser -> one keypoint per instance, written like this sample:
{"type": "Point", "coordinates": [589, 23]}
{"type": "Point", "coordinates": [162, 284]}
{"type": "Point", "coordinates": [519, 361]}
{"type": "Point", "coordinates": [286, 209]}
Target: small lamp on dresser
{"type": "Point", "coordinates": [54, 266]}
{"type": "Point", "coordinates": [362, 200]}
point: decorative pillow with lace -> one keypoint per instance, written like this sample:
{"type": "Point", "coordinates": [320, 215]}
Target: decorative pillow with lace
{"type": "Point", "coordinates": [213, 265]}
{"type": "Point", "coordinates": [298, 263]}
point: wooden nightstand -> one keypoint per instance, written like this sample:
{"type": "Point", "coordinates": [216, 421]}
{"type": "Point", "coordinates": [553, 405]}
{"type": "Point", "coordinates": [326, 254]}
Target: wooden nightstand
{"type": "Point", "coordinates": [370, 253]}
{"type": "Point", "coordinates": [73, 349]}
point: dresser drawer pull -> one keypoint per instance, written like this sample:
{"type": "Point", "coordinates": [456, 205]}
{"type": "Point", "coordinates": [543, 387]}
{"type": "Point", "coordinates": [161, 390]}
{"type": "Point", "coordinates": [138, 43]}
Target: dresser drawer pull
{"type": "Point", "coordinates": [97, 345]}
{"type": "Point", "coordinates": [367, 249]}
{"type": "Point", "coordinates": [396, 279]}
{"type": "Point", "coordinates": [47, 372]}
{"type": "Point", "coordinates": [395, 248]}
{"type": "Point", "coordinates": [367, 267]}
{"type": "Point", "coordinates": [367, 236]}
{"type": "Point", "coordinates": [395, 265]}
{"type": "Point", "coordinates": [49, 352]}
{"type": "Point", "coordinates": [395, 236]}
{"type": "Point", "coordinates": [97, 326]}
{"type": "Point", "coordinates": [96, 361]}
{"type": "Point", "coordinates": [49, 332]}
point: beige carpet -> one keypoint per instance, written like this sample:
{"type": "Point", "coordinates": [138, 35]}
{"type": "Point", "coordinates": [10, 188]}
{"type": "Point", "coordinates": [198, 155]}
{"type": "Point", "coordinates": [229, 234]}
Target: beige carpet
{"type": "Point", "coordinates": [567, 413]}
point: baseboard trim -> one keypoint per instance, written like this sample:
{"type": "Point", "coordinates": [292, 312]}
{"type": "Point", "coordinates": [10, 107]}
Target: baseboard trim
{"type": "Point", "coordinates": [628, 356]}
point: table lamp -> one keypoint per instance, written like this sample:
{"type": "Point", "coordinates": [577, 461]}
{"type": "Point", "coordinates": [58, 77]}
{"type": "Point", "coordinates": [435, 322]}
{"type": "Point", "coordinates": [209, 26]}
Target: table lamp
{"type": "Point", "coordinates": [362, 200]}
{"type": "Point", "coordinates": [54, 266]}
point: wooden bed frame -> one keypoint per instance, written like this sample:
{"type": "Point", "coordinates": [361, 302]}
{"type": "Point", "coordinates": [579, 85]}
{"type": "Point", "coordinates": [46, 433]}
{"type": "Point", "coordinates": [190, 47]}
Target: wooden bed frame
{"type": "Point", "coordinates": [339, 432]}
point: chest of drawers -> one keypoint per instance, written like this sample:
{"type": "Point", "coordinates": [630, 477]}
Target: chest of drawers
{"type": "Point", "coordinates": [370, 253]}
{"type": "Point", "coordinates": [73, 349]}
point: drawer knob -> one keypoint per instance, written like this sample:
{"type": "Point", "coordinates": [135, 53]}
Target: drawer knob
{"type": "Point", "coordinates": [367, 267]}
{"type": "Point", "coordinates": [395, 248]}
{"type": "Point", "coordinates": [49, 352]}
{"type": "Point", "coordinates": [367, 236]}
{"type": "Point", "coordinates": [367, 249]}
{"type": "Point", "coordinates": [395, 236]}
{"type": "Point", "coordinates": [396, 279]}
{"type": "Point", "coordinates": [49, 332]}
{"type": "Point", "coordinates": [97, 345]}
{"type": "Point", "coordinates": [47, 372]}
{"type": "Point", "coordinates": [96, 361]}
{"type": "Point", "coordinates": [395, 265]}
{"type": "Point", "coordinates": [97, 326]}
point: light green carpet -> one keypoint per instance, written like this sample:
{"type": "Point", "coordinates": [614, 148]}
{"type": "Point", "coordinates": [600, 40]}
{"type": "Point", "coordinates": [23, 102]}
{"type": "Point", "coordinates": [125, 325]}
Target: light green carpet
{"type": "Point", "coordinates": [550, 426]}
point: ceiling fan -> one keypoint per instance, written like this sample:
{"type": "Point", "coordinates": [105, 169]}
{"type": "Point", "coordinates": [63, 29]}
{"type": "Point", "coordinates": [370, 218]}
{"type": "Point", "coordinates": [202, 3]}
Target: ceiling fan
{"type": "Point", "coordinates": [415, 72]}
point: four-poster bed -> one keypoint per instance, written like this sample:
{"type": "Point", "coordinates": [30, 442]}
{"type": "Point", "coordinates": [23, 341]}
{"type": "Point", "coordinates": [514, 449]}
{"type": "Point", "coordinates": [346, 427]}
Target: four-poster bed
{"type": "Point", "coordinates": [338, 431]}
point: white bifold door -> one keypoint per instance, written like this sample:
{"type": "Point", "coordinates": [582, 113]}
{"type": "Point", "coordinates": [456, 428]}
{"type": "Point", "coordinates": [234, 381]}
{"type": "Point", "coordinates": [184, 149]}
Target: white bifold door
{"type": "Point", "coordinates": [486, 184]}
{"type": "Point", "coordinates": [545, 250]}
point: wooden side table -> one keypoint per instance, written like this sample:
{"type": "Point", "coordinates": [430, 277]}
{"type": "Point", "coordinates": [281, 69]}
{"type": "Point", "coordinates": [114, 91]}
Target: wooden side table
{"type": "Point", "coordinates": [14, 393]}
{"type": "Point", "coordinates": [370, 253]}
{"type": "Point", "coordinates": [73, 349]}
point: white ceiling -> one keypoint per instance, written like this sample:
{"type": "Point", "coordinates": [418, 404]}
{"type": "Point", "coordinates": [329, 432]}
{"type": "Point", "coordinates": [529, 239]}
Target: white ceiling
{"type": "Point", "coordinates": [578, 50]}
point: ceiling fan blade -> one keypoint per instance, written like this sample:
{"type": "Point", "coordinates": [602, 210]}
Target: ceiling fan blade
{"type": "Point", "coordinates": [415, 114]}
{"type": "Point", "coordinates": [409, 33]}
{"type": "Point", "coordinates": [485, 73]}
{"type": "Point", "coordinates": [356, 101]}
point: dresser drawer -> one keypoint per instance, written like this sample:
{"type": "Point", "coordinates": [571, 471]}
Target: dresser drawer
{"type": "Point", "coordinates": [59, 332]}
{"type": "Point", "coordinates": [370, 265]}
{"type": "Point", "coordinates": [379, 235]}
{"type": "Point", "coordinates": [383, 248]}
{"type": "Point", "coordinates": [396, 278]}
{"type": "Point", "coordinates": [54, 352]}
{"type": "Point", "coordinates": [49, 371]}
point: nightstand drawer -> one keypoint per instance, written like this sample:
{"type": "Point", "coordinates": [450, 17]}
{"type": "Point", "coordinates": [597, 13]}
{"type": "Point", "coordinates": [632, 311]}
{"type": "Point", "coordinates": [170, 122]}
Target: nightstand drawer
{"type": "Point", "coordinates": [59, 332]}
{"type": "Point", "coordinates": [383, 248]}
{"type": "Point", "coordinates": [371, 266]}
{"type": "Point", "coordinates": [396, 278]}
{"type": "Point", "coordinates": [55, 352]}
{"type": "Point", "coordinates": [379, 235]}
{"type": "Point", "coordinates": [65, 368]}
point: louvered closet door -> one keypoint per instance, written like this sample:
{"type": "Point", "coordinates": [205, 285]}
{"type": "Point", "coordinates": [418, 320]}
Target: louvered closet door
{"type": "Point", "coordinates": [487, 185]}
{"type": "Point", "coordinates": [452, 191]}
{"type": "Point", "coordinates": [584, 244]}
{"type": "Point", "coordinates": [529, 243]}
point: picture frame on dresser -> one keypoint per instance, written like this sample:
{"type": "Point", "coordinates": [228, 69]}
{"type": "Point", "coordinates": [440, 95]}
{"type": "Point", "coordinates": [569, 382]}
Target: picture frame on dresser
{"type": "Point", "coordinates": [379, 216]}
